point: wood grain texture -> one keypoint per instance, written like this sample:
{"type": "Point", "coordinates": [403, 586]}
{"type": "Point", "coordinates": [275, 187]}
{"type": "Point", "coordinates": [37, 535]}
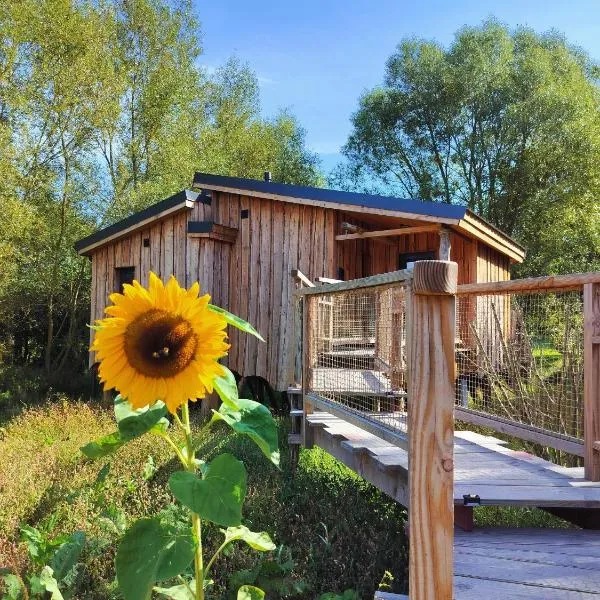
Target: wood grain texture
{"type": "Point", "coordinates": [387, 232]}
{"type": "Point", "coordinates": [573, 281]}
{"type": "Point", "coordinates": [435, 277]}
{"type": "Point", "coordinates": [591, 384]}
{"type": "Point", "coordinates": [430, 342]}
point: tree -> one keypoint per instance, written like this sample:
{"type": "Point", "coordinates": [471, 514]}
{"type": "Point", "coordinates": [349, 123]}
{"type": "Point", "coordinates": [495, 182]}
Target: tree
{"type": "Point", "coordinates": [505, 122]}
{"type": "Point", "coordinates": [104, 110]}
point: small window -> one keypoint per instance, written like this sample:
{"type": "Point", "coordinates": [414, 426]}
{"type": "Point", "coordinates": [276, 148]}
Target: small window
{"type": "Point", "coordinates": [124, 275]}
{"type": "Point", "coordinates": [410, 257]}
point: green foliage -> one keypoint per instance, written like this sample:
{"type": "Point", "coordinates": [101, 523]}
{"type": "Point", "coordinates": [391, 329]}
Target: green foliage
{"type": "Point", "coordinates": [274, 575]}
{"type": "Point", "coordinates": [249, 592]}
{"type": "Point", "coordinates": [105, 110]}
{"type": "Point", "coordinates": [219, 495]}
{"type": "Point", "coordinates": [151, 551]}
{"type": "Point", "coordinates": [259, 541]}
{"type": "Point", "coordinates": [131, 424]}
{"type": "Point", "coordinates": [504, 121]}
{"type": "Point", "coordinates": [254, 420]}
{"type": "Point", "coordinates": [43, 474]}
{"type": "Point", "coordinates": [236, 321]}
{"type": "Point", "coordinates": [347, 595]}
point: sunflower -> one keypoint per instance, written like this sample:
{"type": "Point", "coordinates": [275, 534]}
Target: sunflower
{"type": "Point", "coordinates": [160, 343]}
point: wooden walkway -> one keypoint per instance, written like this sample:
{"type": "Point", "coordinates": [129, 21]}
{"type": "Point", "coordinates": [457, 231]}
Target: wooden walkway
{"type": "Point", "coordinates": [493, 564]}
{"type": "Point", "coordinates": [524, 564]}
{"type": "Point", "coordinates": [484, 466]}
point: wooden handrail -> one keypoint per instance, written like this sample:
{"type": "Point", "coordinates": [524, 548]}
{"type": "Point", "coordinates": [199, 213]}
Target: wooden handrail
{"type": "Point", "coordinates": [563, 283]}
{"type": "Point", "coordinates": [354, 284]}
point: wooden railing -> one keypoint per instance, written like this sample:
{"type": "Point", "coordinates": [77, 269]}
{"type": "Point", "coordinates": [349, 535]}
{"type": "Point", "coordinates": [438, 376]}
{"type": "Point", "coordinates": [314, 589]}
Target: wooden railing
{"type": "Point", "coordinates": [420, 304]}
{"type": "Point", "coordinates": [528, 358]}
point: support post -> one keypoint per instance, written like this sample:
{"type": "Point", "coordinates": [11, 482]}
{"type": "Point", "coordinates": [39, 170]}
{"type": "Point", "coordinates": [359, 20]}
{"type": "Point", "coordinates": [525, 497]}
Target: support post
{"type": "Point", "coordinates": [308, 348]}
{"type": "Point", "coordinates": [591, 382]}
{"type": "Point", "coordinates": [445, 246]}
{"type": "Point", "coordinates": [431, 370]}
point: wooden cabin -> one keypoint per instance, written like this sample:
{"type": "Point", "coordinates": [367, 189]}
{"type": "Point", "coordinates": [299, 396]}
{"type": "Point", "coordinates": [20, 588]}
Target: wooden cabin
{"type": "Point", "coordinates": [244, 239]}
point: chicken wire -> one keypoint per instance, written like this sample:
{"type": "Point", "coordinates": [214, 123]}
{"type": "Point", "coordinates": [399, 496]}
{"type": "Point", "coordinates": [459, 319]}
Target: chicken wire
{"type": "Point", "coordinates": [519, 358]}
{"type": "Point", "coordinates": [356, 352]}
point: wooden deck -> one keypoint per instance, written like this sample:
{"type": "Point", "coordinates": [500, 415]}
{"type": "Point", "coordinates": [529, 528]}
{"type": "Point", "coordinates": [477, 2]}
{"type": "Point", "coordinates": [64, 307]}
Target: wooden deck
{"type": "Point", "coordinates": [524, 564]}
{"type": "Point", "coordinates": [484, 466]}
{"type": "Point", "coordinates": [494, 564]}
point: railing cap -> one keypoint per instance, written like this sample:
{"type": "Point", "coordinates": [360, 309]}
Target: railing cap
{"type": "Point", "coordinates": [435, 277]}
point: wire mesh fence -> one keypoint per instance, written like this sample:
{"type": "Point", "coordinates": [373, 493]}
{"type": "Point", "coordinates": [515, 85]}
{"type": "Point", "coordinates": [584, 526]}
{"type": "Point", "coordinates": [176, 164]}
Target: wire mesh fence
{"type": "Point", "coordinates": [356, 352]}
{"type": "Point", "coordinates": [519, 358]}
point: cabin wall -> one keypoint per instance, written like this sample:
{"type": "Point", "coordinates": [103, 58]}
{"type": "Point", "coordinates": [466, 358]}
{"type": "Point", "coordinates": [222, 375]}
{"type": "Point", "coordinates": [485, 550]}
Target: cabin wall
{"type": "Point", "coordinates": [252, 277]}
{"type": "Point", "coordinates": [275, 238]}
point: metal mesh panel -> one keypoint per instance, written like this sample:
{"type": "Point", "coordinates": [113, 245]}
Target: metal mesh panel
{"type": "Point", "coordinates": [357, 355]}
{"type": "Point", "coordinates": [520, 357]}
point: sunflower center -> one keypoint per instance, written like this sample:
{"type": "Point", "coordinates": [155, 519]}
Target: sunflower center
{"type": "Point", "coordinates": [159, 344]}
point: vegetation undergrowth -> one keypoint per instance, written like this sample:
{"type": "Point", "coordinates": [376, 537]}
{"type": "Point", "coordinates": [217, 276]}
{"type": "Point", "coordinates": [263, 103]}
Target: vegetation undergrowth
{"type": "Point", "coordinates": [334, 531]}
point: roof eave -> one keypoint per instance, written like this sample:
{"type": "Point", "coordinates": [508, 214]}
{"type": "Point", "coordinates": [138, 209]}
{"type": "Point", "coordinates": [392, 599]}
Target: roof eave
{"type": "Point", "coordinates": [171, 205]}
{"type": "Point", "coordinates": [356, 207]}
{"type": "Point", "coordinates": [476, 226]}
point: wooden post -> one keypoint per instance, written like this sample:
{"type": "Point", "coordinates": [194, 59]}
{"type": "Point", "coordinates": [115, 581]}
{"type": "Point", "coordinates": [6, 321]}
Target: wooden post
{"type": "Point", "coordinates": [444, 248]}
{"type": "Point", "coordinates": [591, 384]}
{"type": "Point", "coordinates": [308, 348]}
{"type": "Point", "coordinates": [431, 370]}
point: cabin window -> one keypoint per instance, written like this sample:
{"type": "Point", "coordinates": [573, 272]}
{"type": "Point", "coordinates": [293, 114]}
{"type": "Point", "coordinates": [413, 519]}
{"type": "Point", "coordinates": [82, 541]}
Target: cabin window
{"type": "Point", "coordinates": [124, 275]}
{"type": "Point", "coordinates": [410, 257]}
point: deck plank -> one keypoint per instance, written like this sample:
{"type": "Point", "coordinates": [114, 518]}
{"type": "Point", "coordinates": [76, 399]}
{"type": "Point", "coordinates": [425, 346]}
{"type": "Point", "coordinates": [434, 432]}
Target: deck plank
{"type": "Point", "coordinates": [483, 466]}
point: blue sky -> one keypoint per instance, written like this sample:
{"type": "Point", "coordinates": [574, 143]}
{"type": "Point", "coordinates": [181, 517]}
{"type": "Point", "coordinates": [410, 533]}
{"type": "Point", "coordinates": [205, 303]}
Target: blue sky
{"type": "Point", "coordinates": [316, 57]}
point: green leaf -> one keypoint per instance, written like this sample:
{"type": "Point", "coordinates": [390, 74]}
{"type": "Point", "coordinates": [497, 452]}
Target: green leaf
{"type": "Point", "coordinates": [256, 421]}
{"type": "Point", "coordinates": [226, 387]}
{"type": "Point", "coordinates": [259, 541]}
{"type": "Point", "coordinates": [219, 495]}
{"type": "Point", "coordinates": [151, 551]}
{"type": "Point", "coordinates": [235, 321]}
{"type": "Point", "coordinates": [249, 592]}
{"type": "Point", "coordinates": [104, 446]}
{"type": "Point", "coordinates": [135, 422]}
{"type": "Point", "coordinates": [178, 592]}
{"type": "Point", "coordinates": [13, 590]}
{"type": "Point", "coordinates": [68, 554]}
{"type": "Point", "coordinates": [50, 584]}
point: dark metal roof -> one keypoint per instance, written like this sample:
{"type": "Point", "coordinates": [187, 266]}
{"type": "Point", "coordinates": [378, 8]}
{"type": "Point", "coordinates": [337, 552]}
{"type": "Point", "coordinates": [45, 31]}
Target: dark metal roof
{"type": "Point", "coordinates": [136, 218]}
{"type": "Point", "coordinates": [416, 207]}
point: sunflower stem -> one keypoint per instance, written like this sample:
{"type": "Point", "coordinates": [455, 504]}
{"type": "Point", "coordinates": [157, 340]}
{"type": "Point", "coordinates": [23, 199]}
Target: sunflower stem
{"type": "Point", "coordinates": [196, 523]}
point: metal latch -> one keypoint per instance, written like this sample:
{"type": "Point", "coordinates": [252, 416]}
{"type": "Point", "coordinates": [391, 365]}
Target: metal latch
{"type": "Point", "coordinates": [471, 500]}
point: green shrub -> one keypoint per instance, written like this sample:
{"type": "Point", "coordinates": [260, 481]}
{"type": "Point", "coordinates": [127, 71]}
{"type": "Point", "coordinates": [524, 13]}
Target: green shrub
{"type": "Point", "coordinates": [338, 531]}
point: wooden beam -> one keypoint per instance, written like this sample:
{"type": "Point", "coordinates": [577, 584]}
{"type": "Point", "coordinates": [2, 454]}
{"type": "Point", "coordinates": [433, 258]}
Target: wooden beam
{"type": "Point", "coordinates": [529, 433]}
{"type": "Point", "coordinates": [430, 340]}
{"type": "Point", "coordinates": [445, 246]}
{"type": "Point", "coordinates": [212, 231]}
{"type": "Point", "coordinates": [591, 379]}
{"type": "Point", "coordinates": [302, 278]}
{"type": "Point", "coordinates": [387, 232]}
{"type": "Point", "coordinates": [563, 283]}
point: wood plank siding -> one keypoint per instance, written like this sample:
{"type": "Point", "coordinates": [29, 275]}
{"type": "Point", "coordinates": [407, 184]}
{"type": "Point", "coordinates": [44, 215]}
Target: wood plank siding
{"type": "Point", "coordinates": [251, 277]}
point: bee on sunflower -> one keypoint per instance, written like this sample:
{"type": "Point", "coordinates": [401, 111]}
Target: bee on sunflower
{"type": "Point", "coordinates": [160, 347]}
{"type": "Point", "coordinates": [163, 343]}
